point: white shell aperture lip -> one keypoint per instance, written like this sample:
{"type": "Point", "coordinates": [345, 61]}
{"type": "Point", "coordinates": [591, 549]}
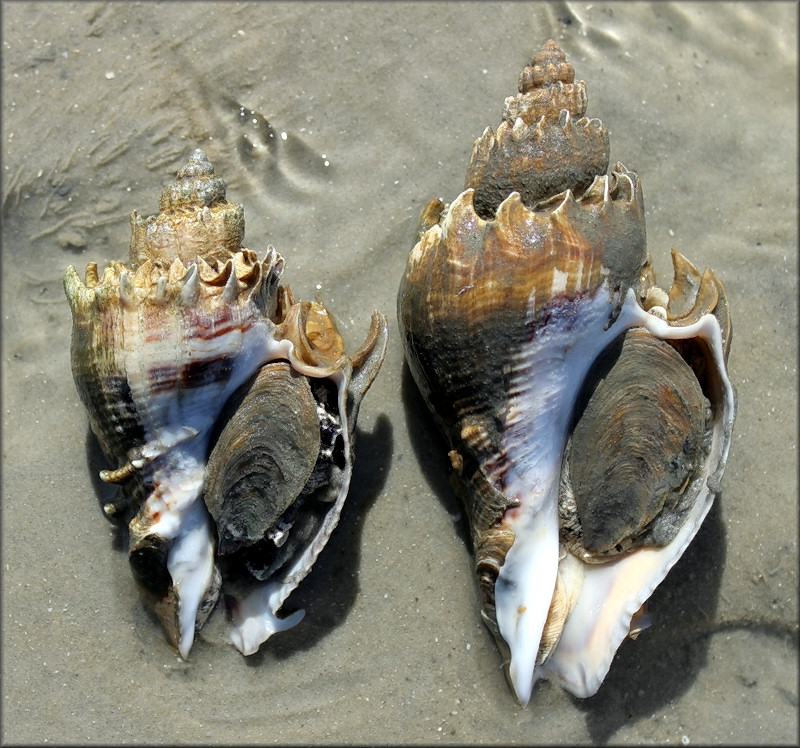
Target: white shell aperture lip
{"type": "Point", "coordinates": [255, 619]}
{"type": "Point", "coordinates": [181, 514]}
{"type": "Point", "coordinates": [191, 566]}
{"type": "Point", "coordinates": [534, 443]}
{"type": "Point", "coordinates": [612, 592]}
{"type": "Point", "coordinates": [255, 616]}
{"type": "Point", "coordinates": [588, 411]}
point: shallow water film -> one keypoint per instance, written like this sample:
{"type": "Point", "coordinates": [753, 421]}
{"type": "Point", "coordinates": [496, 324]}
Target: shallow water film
{"type": "Point", "coordinates": [334, 124]}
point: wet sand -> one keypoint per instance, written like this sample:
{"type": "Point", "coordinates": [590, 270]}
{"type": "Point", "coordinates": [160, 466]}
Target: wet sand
{"type": "Point", "coordinates": [373, 109]}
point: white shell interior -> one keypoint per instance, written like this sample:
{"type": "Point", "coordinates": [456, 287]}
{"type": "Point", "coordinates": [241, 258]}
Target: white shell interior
{"type": "Point", "coordinates": [175, 509]}
{"type": "Point", "coordinates": [606, 595]}
{"type": "Point", "coordinates": [176, 506]}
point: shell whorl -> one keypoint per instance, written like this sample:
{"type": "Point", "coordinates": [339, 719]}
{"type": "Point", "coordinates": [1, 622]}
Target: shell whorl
{"type": "Point", "coordinates": [196, 220]}
{"type": "Point", "coordinates": [195, 186]}
{"type": "Point", "coordinates": [225, 409]}
{"type": "Point", "coordinates": [544, 119]}
{"type": "Point", "coordinates": [540, 80]}
{"type": "Point", "coordinates": [189, 256]}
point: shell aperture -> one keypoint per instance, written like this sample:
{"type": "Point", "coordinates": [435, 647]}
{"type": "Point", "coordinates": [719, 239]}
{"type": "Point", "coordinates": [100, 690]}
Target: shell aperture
{"type": "Point", "coordinates": [226, 408]}
{"type": "Point", "coordinates": [588, 410]}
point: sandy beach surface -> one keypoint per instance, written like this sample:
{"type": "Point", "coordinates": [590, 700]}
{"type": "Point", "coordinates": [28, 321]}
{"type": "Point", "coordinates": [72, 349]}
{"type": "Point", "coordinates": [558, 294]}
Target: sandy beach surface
{"type": "Point", "coordinates": [334, 124]}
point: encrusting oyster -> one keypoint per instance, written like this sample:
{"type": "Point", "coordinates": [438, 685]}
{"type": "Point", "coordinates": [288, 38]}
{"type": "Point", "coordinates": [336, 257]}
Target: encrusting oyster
{"type": "Point", "coordinates": [589, 411]}
{"type": "Point", "coordinates": [227, 408]}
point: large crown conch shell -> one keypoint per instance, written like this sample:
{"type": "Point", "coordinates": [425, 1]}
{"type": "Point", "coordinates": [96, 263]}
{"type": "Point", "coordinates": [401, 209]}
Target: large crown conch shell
{"type": "Point", "coordinates": [227, 409]}
{"type": "Point", "coordinates": [589, 411]}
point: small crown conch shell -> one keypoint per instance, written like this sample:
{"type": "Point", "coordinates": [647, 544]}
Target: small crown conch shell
{"type": "Point", "coordinates": [589, 411]}
{"type": "Point", "coordinates": [227, 409]}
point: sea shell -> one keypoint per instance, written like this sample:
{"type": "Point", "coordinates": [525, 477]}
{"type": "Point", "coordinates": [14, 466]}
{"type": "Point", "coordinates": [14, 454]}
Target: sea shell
{"type": "Point", "coordinates": [589, 411]}
{"type": "Point", "coordinates": [227, 409]}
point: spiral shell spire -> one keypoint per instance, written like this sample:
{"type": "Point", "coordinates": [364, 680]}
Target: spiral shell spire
{"type": "Point", "coordinates": [546, 117]}
{"type": "Point", "coordinates": [195, 219]}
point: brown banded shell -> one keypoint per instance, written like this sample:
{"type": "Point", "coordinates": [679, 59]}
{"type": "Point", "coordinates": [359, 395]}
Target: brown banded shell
{"type": "Point", "coordinates": [160, 349]}
{"type": "Point", "coordinates": [588, 410]}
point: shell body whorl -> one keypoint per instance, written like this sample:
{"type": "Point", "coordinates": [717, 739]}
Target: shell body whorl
{"type": "Point", "coordinates": [177, 357]}
{"type": "Point", "coordinates": [588, 410]}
